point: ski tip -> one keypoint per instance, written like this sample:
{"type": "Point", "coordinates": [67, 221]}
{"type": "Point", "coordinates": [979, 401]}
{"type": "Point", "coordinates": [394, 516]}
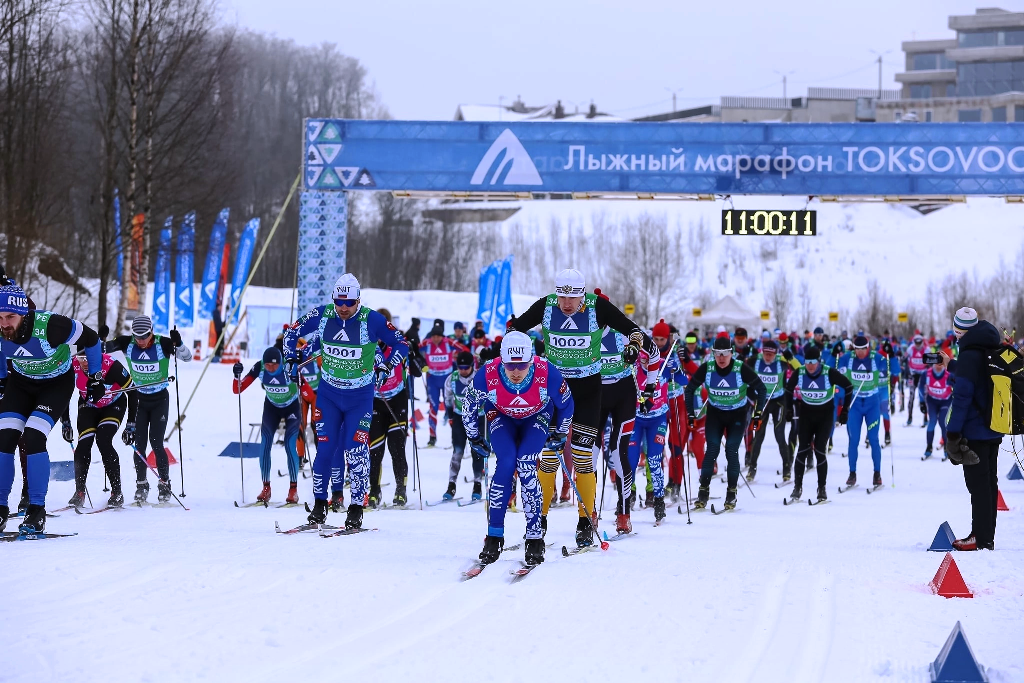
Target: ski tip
{"type": "Point", "coordinates": [679, 509]}
{"type": "Point", "coordinates": [565, 551]}
{"type": "Point", "coordinates": [236, 504]}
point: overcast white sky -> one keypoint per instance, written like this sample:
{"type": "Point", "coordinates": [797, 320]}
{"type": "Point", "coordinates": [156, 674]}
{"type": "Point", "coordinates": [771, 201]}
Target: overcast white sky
{"type": "Point", "coordinates": [428, 56]}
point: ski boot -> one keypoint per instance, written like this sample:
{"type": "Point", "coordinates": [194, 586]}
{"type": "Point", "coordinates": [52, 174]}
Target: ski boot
{"type": "Point", "coordinates": [478, 491]}
{"type": "Point", "coordinates": [141, 492]}
{"type": "Point", "coordinates": [888, 438]}
{"type": "Point", "coordinates": [337, 500]}
{"type": "Point", "coordinates": [23, 503]}
{"type": "Point", "coordinates": [374, 498]}
{"type": "Point", "coordinates": [264, 496]}
{"type": "Point", "coordinates": [910, 417]}
{"type": "Point", "coordinates": [751, 473]}
{"type": "Point", "coordinates": [659, 508]}
{"type": "Point", "coordinates": [35, 520]}
{"type": "Point", "coordinates": [543, 526]}
{"type": "Point", "coordinates": [400, 498]}
{"type": "Point", "coordinates": [928, 452]}
{"type": "Point", "coordinates": [798, 492]}
{"type": "Point", "coordinates": [77, 500]}
{"type": "Point", "coordinates": [877, 479]}
{"type": "Point", "coordinates": [851, 480]}
{"type": "Point", "coordinates": [116, 499]}
{"type": "Point", "coordinates": [821, 493]}
{"type": "Point", "coordinates": [703, 494]}
{"type": "Point", "coordinates": [622, 524]}
{"type": "Point", "coordinates": [534, 551]}
{"type": "Point", "coordinates": [5, 512]}
{"type": "Point", "coordinates": [319, 513]}
{"type": "Point", "coordinates": [492, 548]}
{"type": "Point", "coordinates": [431, 442]}
{"type": "Point", "coordinates": [672, 491]}
{"type": "Point", "coordinates": [354, 518]}
{"type": "Point", "coordinates": [584, 533]}
{"type": "Point", "coordinates": [730, 499]}
{"type": "Point", "coordinates": [293, 494]}
{"type": "Point", "coordinates": [969, 543]}
{"type": "Point", "coordinates": [450, 493]}
{"type": "Point", "coordinates": [163, 488]}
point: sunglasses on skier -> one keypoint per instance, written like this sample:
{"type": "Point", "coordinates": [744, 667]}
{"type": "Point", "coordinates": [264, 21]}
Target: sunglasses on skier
{"type": "Point", "coordinates": [347, 303]}
{"type": "Point", "coordinates": [723, 352]}
{"type": "Point", "coordinates": [517, 367]}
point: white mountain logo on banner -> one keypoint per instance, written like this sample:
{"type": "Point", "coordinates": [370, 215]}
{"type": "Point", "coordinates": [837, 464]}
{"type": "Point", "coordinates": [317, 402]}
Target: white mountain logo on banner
{"type": "Point", "coordinates": [522, 170]}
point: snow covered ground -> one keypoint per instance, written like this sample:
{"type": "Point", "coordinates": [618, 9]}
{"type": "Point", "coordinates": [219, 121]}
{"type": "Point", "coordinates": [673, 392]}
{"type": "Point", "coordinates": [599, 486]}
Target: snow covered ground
{"type": "Point", "coordinates": [769, 593]}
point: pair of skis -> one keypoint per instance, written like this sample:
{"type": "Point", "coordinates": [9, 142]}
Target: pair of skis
{"type": "Point", "coordinates": [105, 508]}
{"type": "Point", "coordinates": [10, 536]}
{"type": "Point", "coordinates": [264, 504]}
{"type": "Point", "coordinates": [324, 530]}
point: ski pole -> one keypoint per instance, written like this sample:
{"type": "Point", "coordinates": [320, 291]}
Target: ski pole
{"type": "Point", "coordinates": [411, 385]}
{"type": "Point", "coordinates": [590, 520]}
{"type": "Point", "coordinates": [604, 478]}
{"type": "Point", "coordinates": [136, 387]}
{"type": "Point", "coordinates": [157, 475]}
{"type": "Point", "coordinates": [177, 400]}
{"type": "Point", "coordinates": [241, 450]}
{"type": "Point", "coordinates": [686, 494]}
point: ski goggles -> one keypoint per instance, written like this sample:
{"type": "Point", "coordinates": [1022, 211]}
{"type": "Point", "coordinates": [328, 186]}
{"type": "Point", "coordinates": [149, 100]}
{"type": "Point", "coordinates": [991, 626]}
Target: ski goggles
{"type": "Point", "coordinates": [347, 303]}
{"type": "Point", "coordinates": [811, 361]}
{"type": "Point", "coordinates": [721, 353]}
{"type": "Point", "coordinates": [467, 367]}
{"type": "Point", "coordinates": [517, 366]}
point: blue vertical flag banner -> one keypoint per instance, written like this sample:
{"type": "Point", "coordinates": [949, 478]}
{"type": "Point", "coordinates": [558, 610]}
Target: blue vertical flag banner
{"type": "Point", "coordinates": [117, 238]}
{"type": "Point", "coordinates": [243, 259]}
{"type": "Point", "coordinates": [208, 293]}
{"type": "Point", "coordinates": [503, 297]}
{"type": "Point", "coordinates": [185, 268]}
{"type": "Point", "coordinates": [162, 280]}
{"type": "Point", "coordinates": [488, 290]}
{"type": "Point", "coordinates": [323, 225]}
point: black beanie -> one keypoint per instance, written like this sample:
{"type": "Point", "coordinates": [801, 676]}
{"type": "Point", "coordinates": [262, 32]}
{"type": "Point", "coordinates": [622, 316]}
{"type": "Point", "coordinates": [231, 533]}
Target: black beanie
{"type": "Point", "coordinates": [722, 344]}
{"type": "Point", "coordinates": [272, 355]}
{"type": "Point", "coordinates": [812, 354]}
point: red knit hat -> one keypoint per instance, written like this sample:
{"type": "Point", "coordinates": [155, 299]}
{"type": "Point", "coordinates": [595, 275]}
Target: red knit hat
{"type": "Point", "coordinates": [598, 292]}
{"type": "Point", "coordinates": [661, 329]}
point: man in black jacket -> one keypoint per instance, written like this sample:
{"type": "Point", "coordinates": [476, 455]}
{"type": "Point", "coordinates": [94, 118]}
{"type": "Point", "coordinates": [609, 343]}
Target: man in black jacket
{"type": "Point", "coordinates": [970, 441]}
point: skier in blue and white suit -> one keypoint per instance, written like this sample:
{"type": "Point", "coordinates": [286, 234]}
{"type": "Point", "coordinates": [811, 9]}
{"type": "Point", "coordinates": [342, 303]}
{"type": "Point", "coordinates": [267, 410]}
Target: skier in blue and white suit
{"type": "Point", "coordinates": [868, 371]}
{"type": "Point", "coordinates": [524, 398]}
{"type": "Point", "coordinates": [348, 333]}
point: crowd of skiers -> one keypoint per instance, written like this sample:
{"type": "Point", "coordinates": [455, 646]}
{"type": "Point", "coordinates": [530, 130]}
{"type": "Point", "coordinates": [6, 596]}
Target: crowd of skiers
{"type": "Point", "coordinates": [572, 379]}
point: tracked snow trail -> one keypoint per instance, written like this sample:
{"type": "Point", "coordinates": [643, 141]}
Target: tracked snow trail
{"type": "Point", "coordinates": [830, 593]}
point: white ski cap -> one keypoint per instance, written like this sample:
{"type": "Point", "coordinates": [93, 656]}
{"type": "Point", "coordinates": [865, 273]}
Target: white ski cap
{"type": "Point", "coordinates": [347, 287]}
{"type": "Point", "coordinates": [516, 347]}
{"type": "Point", "coordinates": [720, 329]}
{"type": "Point", "coordinates": [570, 282]}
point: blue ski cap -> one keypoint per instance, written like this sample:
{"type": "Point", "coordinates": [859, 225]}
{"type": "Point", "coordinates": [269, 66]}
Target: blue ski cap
{"type": "Point", "coordinates": [13, 300]}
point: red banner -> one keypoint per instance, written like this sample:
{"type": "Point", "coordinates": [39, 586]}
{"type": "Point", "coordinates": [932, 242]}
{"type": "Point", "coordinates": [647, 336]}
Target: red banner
{"type": "Point", "coordinates": [133, 278]}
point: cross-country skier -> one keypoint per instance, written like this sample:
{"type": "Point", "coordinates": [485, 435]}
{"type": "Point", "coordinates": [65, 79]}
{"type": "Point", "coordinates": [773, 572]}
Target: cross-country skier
{"type": "Point", "coordinates": [939, 397]}
{"type": "Point", "coordinates": [772, 371]}
{"type": "Point", "coordinates": [309, 382]}
{"type": "Point", "coordinates": [867, 371]}
{"type": "Point", "coordinates": [455, 402]}
{"type": "Point", "coordinates": [37, 392]}
{"type": "Point", "coordinates": [99, 421]}
{"type": "Point", "coordinates": [439, 352]}
{"type": "Point", "coordinates": [810, 393]}
{"type": "Point", "coordinates": [525, 398]}
{"type": "Point", "coordinates": [573, 323]}
{"type": "Point", "coordinates": [729, 382]}
{"type": "Point", "coordinates": [651, 425]}
{"type": "Point", "coordinates": [148, 358]}
{"type": "Point", "coordinates": [915, 362]}
{"type": "Point", "coordinates": [281, 403]}
{"type": "Point", "coordinates": [618, 403]}
{"type": "Point", "coordinates": [678, 431]}
{"type": "Point", "coordinates": [348, 333]}
{"type": "Point", "coordinates": [389, 423]}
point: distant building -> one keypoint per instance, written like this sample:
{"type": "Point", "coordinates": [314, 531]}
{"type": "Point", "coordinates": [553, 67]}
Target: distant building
{"type": "Point", "coordinates": [820, 105]}
{"type": "Point", "coordinates": [518, 111]}
{"type": "Point", "coordinates": [978, 75]}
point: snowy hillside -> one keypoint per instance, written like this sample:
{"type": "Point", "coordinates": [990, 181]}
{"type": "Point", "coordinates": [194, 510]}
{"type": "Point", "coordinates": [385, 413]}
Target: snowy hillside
{"type": "Point", "coordinates": [834, 593]}
{"type": "Point", "coordinates": [902, 249]}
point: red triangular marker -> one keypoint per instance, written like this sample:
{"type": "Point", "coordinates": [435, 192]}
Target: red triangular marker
{"type": "Point", "coordinates": [948, 582]}
{"type": "Point", "coordinates": [151, 458]}
{"type": "Point", "coordinates": [1000, 503]}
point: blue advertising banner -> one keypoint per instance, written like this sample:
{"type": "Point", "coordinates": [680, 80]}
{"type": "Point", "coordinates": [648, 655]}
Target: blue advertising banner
{"type": "Point", "coordinates": [214, 254]}
{"type": "Point", "coordinates": [117, 238]}
{"type": "Point", "coordinates": [162, 280]}
{"type": "Point", "coordinates": [243, 259]}
{"type": "Point", "coordinates": [488, 290]}
{"type": "Point", "coordinates": [646, 159]}
{"type": "Point", "coordinates": [323, 240]}
{"type": "Point", "coordinates": [503, 297]}
{"type": "Point", "coordinates": [183, 310]}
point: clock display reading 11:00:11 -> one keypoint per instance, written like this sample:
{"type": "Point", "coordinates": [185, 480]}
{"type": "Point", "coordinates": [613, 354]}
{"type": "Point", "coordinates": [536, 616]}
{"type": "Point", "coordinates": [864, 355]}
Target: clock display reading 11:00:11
{"type": "Point", "coordinates": [796, 223]}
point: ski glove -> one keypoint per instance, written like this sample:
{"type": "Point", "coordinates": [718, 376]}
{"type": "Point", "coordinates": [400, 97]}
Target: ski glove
{"type": "Point", "coordinates": [959, 452]}
{"type": "Point", "coordinates": [176, 338]}
{"type": "Point", "coordinates": [842, 418]}
{"type": "Point", "coordinates": [556, 441]}
{"type": "Point", "coordinates": [647, 399]}
{"type": "Point", "coordinates": [65, 430]}
{"type": "Point", "coordinates": [380, 375]}
{"type": "Point", "coordinates": [479, 446]}
{"type": "Point", "coordinates": [787, 354]}
{"type": "Point", "coordinates": [755, 420]}
{"type": "Point", "coordinates": [236, 369]}
{"type": "Point", "coordinates": [95, 388]}
{"type": "Point", "coordinates": [631, 353]}
{"type": "Point", "coordinates": [128, 435]}
{"type": "Point", "coordinates": [691, 422]}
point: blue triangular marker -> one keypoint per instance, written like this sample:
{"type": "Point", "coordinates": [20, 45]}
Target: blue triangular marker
{"type": "Point", "coordinates": [943, 541]}
{"type": "Point", "coordinates": [956, 661]}
{"type": "Point", "coordinates": [1015, 472]}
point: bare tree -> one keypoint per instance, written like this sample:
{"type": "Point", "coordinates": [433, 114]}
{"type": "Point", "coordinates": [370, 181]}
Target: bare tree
{"type": "Point", "coordinates": [779, 300]}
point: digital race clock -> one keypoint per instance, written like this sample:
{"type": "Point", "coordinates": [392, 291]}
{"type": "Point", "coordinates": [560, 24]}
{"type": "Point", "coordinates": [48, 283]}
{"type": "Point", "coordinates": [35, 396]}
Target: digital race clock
{"type": "Point", "coordinates": [796, 223]}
